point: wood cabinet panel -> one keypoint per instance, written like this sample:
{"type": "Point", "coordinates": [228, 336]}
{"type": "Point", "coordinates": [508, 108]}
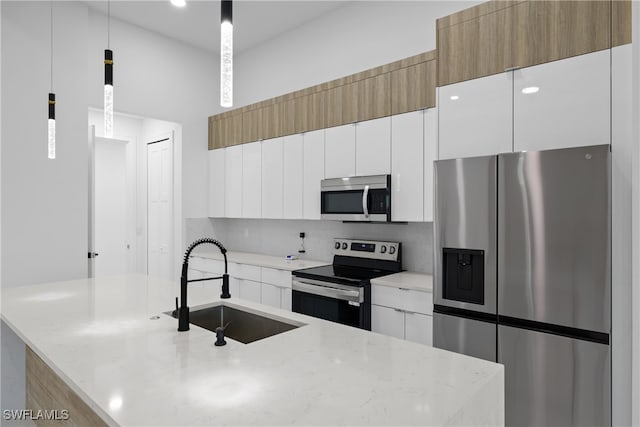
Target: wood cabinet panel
{"type": "Point", "coordinates": [547, 31]}
{"type": "Point", "coordinates": [374, 97]}
{"type": "Point", "coordinates": [413, 88]}
{"type": "Point", "coordinates": [45, 390]}
{"type": "Point", "coordinates": [475, 48]}
{"type": "Point", "coordinates": [342, 104]}
{"type": "Point", "coordinates": [620, 22]}
{"type": "Point", "coordinates": [262, 123]}
{"type": "Point", "coordinates": [225, 129]}
{"type": "Point", "coordinates": [304, 113]}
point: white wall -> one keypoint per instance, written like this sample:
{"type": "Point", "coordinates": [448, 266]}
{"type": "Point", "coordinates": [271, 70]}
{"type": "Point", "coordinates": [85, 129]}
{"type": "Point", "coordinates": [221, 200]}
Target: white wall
{"type": "Point", "coordinates": [44, 202]}
{"type": "Point", "coordinates": [155, 76]}
{"type": "Point", "coordinates": [347, 40]}
{"type": "Point", "coordinates": [635, 372]}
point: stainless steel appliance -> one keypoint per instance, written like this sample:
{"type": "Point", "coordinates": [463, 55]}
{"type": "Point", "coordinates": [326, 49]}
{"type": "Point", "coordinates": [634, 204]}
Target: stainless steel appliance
{"type": "Point", "coordinates": [341, 292]}
{"type": "Point", "coordinates": [356, 198]}
{"type": "Point", "coordinates": [523, 277]}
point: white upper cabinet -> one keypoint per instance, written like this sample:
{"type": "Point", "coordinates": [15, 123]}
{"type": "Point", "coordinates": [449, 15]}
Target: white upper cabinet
{"type": "Point", "coordinates": [475, 117]}
{"type": "Point", "coordinates": [373, 147]}
{"type": "Point", "coordinates": [216, 183]}
{"type": "Point", "coordinates": [340, 151]}
{"type": "Point", "coordinates": [252, 180]}
{"type": "Point", "coordinates": [430, 154]}
{"type": "Point", "coordinates": [563, 103]}
{"type": "Point", "coordinates": [233, 181]}
{"type": "Point", "coordinates": [313, 166]}
{"type": "Point", "coordinates": [272, 172]}
{"type": "Point", "coordinates": [407, 166]}
{"type": "Point", "coordinates": [293, 176]}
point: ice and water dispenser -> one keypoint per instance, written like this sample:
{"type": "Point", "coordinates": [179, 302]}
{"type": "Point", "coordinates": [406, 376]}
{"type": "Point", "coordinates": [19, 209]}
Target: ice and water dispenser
{"type": "Point", "coordinates": [463, 275]}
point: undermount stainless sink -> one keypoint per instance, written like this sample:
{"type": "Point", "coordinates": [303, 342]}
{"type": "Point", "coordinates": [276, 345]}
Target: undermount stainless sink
{"type": "Point", "coordinates": [243, 326]}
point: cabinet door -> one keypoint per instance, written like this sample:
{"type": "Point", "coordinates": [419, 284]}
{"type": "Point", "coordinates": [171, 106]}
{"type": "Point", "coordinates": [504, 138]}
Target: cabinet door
{"type": "Point", "coordinates": [387, 321]}
{"type": "Point", "coordinates": [270, 295]}
{"type": "Point", "coordinates": [475, 117]}
{"type": "Point", "coordinates": [340, 151]}
{"type": "Point", "coordinates": [313, 167]}
{"type": "Point", "coordinates": [373, 147]}
{"type": "Point", "coordinates": [251, 180]}
{"type": "Point", "coordinates": [216, 183]}
{"type": "Point", "coordinates": [285, 299]}
{"type": "Point", "coordinates": [233, 181]}
{"type": "Point", "coordinates": [563, 103]}
{"type": "Point", "coordinates": [407, 161]}
{"type": "Point", "coordinates": [293, 176]}
{"type": "Point", "coordinates": [430, 154]}
{"type": "Point", "coordinates": [249, 290]}
{"type": "Point", "coordinates": [418, 327]}
{"type": "Point", "coordinates": [272, 171]}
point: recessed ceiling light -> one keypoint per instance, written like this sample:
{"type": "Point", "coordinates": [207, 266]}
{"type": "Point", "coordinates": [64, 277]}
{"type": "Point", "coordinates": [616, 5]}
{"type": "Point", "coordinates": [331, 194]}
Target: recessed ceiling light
{"type": "Point", "coordinates": [454, 97]}
{"type": "Point", "coordinates": [530, 90]}
{"type": "Point", "coordinates": [179, 3]}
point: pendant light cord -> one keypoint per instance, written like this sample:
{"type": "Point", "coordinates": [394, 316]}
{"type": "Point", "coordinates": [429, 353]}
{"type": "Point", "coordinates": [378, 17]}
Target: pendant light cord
{"type": "Point", "coordinates": [51, 26]}
{"type": "Point", "coordinates": [108, 24]}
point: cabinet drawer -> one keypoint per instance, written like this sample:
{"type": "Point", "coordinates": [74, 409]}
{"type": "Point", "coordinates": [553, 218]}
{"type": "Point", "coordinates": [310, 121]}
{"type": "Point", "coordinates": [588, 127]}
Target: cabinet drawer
{"type": "Point", "coordinates": [404, 299]}
{"type": "Point", "coordinates": [281, 278]}
{"type": "Point", "coordinates": [244, 271]}
{"type": "Point", "coordinates": [206, 264]}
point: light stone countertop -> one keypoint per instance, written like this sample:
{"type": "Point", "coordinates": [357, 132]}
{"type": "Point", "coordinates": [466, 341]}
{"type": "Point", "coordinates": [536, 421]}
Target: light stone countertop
{"type": "Point", "coordinates": [260, 260]}
{"type": "Point", "coordinates": [98, 335]}
{"type": "Point", "coordinates": [406, 280]}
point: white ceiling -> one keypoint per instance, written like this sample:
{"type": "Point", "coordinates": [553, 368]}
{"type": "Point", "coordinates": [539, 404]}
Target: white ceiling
{"type": "Point", "coordinates": [198, 23]}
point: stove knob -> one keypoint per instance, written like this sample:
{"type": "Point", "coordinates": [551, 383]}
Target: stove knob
{"type": "Point", "coordinates": [344, 245]}
{"type": "Point", "coordinates": [383, 249]}
{"type": "Point", "coordinates": [337, 245]}
{"type": "Point", "coordinates": [392, 250]}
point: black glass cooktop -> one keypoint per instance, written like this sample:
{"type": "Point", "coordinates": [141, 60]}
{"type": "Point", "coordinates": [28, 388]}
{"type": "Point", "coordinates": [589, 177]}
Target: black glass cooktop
{"type": "Point", "coordinates": [353, 276]}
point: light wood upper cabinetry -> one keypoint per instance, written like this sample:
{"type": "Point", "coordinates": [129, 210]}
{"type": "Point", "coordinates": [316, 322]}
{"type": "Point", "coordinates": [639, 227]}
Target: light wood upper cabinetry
{"type": "Point", "coordinates": [401, 86]}
{"type": "Point", "coordinates": [413, 87]}
{"type": "Point", "coordinates": [374, 98]}
{"type": "Point", "coordinates": [498, 35]}
{"type": "Point", "coordinates": [545, 31]}
{"type": "Point", "coordinates": [620, 22]}
{"type": "Point", "coordinates": [225, 129]}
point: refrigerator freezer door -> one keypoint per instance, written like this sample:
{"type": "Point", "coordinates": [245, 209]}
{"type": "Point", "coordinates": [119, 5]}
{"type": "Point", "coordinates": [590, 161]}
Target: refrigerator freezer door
{"type": "Point", "coordinates": [554, 262]}
{"type": "Point", "coordinates": [465, 226]}
{"type": "Point", "coordinates": [471, 337]}
{"type": "Point", "coordinates": [554, 381]}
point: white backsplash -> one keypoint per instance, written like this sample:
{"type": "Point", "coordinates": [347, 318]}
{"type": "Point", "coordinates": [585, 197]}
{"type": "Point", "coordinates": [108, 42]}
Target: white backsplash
{"type": "Point", "coordinates": [280, 237]}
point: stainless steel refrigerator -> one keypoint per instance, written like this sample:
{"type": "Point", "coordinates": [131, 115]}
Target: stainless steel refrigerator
{"type": "Point", "coordinates": [523, 277]}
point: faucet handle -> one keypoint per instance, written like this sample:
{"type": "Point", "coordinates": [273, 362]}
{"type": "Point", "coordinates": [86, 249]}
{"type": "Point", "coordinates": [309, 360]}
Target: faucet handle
{"type": "Point", "coordinates": [175, 312]}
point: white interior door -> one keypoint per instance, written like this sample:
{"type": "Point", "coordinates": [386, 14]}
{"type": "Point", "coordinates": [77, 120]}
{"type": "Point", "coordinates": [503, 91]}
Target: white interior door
{"type": "Point", "coordinates": [160, 208]}
{"type": "Point", "coordinates": [110, 206]}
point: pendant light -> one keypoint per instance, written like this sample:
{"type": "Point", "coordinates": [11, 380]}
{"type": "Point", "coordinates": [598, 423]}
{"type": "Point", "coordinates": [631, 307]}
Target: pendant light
{"type": "Point", "coordinates": [51, 122]}
{"type": "Point", "coordinates": [226, 53]}
{"type": "Point", "coordinates": [108, 79]}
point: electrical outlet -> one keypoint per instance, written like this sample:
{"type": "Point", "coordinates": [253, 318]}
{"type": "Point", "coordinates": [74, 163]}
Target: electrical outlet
{"type": "Point", "coordinates": [302, 235]}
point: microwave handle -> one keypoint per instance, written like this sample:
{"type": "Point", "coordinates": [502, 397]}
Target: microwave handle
{"type": "Point", "coordinates": [365, 198]}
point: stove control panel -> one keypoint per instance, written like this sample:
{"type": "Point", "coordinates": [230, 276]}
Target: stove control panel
{"type": "Point", "coordinates": [367, 249]}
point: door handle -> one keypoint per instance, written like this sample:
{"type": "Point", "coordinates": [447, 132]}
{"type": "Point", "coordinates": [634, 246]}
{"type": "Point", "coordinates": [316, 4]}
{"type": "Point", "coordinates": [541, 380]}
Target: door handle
{"type": "Point", "coordinates": [92, 254]}
{"type": "Point", "coordinates": [365, 198]}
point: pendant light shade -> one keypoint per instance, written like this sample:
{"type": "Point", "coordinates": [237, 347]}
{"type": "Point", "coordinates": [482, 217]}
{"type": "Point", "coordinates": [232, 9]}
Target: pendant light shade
{"type": "Point", "coordinates": [226, 53]}
{"type": "Point", "coordinates": [108, 93]}
{"type": "Point", "coordinates": [52, 126]}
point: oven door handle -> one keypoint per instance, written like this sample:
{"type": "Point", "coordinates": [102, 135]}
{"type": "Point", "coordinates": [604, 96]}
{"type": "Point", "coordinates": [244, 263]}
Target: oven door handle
{"type": "Point", "coordinates": [326, 291]}
{"type": "Point", "coordinates": [365, 200]}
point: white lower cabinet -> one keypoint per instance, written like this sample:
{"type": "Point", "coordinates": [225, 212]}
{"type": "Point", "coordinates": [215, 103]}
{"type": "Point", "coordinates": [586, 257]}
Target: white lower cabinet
{"type": "Point", "coordinates": [270, 295]}
{"type": "Point", "coordinates": [249, 290]}
{"type": "Point", "coordinates": [387, 321]}
{"type": "Point", "coordinates": [402, 313]}
{"type": "Point", "coordinates": [285, 299]}
{"type": "Point", "coordinates": [276, 288]}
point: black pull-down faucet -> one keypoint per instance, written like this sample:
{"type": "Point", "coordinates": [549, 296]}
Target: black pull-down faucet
{"type": "Point", "coordinates": [183, 310]}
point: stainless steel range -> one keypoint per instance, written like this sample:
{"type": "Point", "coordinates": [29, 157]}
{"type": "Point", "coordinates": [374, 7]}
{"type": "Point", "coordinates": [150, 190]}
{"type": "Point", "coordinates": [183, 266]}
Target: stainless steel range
{"type": "Point", "coordinates": [341, 292]}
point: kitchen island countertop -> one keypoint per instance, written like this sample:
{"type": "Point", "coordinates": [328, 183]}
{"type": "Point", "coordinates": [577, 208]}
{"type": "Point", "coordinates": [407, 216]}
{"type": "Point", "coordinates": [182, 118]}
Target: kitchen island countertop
{"type": "Point", "coordinates": [109, 341]}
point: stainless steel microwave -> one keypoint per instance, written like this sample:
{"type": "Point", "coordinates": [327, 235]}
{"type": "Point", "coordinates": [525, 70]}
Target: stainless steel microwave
{"type": "Point", "coordinates": [356, 198]}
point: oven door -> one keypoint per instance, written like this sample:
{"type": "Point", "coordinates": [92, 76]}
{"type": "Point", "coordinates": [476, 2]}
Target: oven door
{"type": "Point", "coordinates": [360, 198]}
{"type": "Point", "coordinates": [329, 301]}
